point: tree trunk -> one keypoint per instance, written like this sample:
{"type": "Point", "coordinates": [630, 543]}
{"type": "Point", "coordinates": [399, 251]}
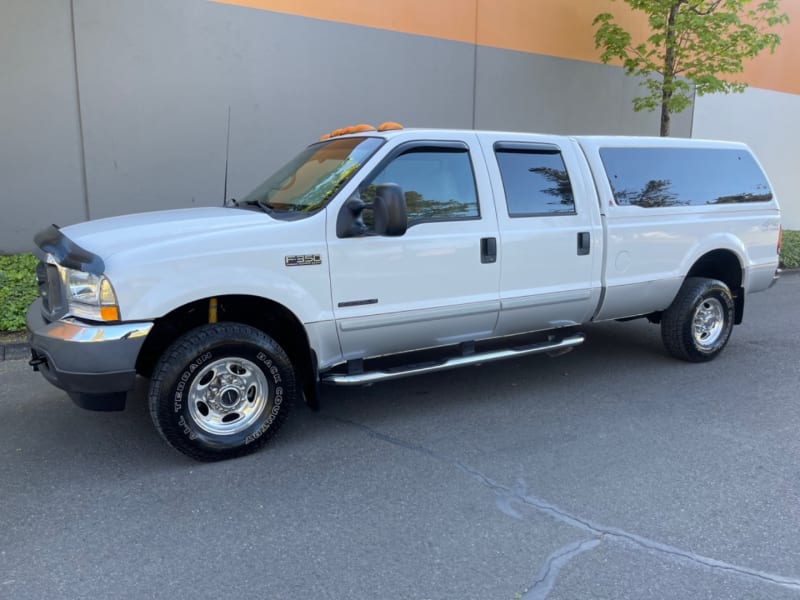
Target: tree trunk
{"type": "Point", "coordinates": [665, 113]}
{"type": "Point", "coordinates": [669, 68]}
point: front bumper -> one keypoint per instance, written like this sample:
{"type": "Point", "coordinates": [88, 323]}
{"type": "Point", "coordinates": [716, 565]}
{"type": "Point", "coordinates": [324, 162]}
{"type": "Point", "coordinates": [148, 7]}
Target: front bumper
{"type": "Point", "coordinates": [94, 363]}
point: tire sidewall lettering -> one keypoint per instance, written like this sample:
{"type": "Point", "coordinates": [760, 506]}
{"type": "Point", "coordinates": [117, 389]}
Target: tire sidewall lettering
{"type": "Point", "coordinates": [185, 423]}
{"type": "Point", "coordinates": [273, 414]}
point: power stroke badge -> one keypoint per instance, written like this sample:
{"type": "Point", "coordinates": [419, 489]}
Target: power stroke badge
{"type": "Point", "coordinates": [303, 260]}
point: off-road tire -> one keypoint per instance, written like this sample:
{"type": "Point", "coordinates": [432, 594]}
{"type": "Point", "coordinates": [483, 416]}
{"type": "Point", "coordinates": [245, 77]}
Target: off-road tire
{"type": "Point", "coordinates": [698, 323]}
{"type": "Point", "coordinates": [201, 388]}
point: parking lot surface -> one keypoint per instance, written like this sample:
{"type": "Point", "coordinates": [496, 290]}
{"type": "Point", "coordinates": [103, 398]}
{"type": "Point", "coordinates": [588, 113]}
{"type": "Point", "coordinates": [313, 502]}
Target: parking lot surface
{"type": "Point", "coordinates": [611, 472]}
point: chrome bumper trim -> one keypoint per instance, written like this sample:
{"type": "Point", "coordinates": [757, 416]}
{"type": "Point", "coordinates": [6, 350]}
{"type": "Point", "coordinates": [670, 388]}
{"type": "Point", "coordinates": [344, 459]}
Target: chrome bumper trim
{"type": "Point", "coordinates": [73, 330]}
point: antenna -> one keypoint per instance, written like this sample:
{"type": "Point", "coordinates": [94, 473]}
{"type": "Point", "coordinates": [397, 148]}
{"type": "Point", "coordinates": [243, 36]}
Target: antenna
{"type": "Point", "coordinates": [227, 147]}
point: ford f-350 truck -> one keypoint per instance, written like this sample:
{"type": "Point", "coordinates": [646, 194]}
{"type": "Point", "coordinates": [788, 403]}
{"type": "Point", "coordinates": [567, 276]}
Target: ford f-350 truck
{"type": "Point", "coordinates": [376, 254]}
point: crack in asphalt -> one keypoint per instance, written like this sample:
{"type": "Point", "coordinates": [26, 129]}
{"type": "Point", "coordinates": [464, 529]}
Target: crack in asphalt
{"type": "Point", "coordinates": [507, 495]}
{"type": "Point", "coordinates": [547, 576]}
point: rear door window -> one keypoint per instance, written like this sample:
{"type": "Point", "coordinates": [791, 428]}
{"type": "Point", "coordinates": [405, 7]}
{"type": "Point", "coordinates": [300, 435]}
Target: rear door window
{"type": "Point", "coordinates": [536, 182]}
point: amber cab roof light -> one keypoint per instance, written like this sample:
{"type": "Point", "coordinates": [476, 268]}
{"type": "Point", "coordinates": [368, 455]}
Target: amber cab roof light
{"type": "Point", "coordinates": [387, 126]}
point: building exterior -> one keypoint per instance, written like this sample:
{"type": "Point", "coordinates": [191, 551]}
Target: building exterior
{"type": "Point", "coordinates": [117, 107]}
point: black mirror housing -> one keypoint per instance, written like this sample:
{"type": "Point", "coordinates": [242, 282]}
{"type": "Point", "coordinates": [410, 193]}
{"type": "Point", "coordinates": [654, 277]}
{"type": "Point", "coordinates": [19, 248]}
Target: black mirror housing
{"type": "Point", "coordinates": [389, 208]}
{"type": "Point", "coordinates": [390, 215]}
{"type": "Point", "coordinates": [349, 222]}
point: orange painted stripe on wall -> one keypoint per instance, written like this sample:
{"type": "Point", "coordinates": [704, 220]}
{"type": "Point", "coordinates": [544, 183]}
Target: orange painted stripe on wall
{"type": "Point", "coordinates": [780, 71]}
{"type": "Point", "coordinates": [561, 28]}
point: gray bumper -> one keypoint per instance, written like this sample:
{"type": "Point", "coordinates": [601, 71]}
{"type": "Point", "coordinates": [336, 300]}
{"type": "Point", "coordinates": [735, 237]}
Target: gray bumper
{"type": "Point", "coordinates": [95, 364]}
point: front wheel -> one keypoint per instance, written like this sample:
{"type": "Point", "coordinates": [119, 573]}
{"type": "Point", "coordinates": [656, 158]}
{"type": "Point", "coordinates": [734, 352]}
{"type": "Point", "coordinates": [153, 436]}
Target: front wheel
{"type": "Point", "coordinates": [698, 323]}
{"type": "Point", "coordinates": [221, 391]}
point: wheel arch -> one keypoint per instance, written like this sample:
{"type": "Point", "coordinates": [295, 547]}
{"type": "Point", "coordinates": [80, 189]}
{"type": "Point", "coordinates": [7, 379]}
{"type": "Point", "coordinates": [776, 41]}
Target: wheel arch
{"type": "Point", "coordinates": [266, 315]}
{"type": "Point", "coordinates": [725, 265]}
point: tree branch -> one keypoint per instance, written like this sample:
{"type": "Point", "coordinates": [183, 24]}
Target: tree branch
{"type": "Point", "coordinates": [704, 13]}
{"type": "Point", "coordinates": [680, 44]}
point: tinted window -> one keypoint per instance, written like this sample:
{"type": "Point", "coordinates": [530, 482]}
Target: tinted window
{"type": "Point", "coordinates": [536, 182]}
{"type": "Point", "coordinates": [652, 177]}
{"type": "Point", "coordinates": [438, 184]}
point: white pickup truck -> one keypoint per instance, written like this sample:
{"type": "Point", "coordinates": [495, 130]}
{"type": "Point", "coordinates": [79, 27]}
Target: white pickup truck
{"type": "Point", "coordinates": [377, 254]}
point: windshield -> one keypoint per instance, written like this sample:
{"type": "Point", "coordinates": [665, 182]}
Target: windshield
{"type": "Point", "coordinates": [307, 182]}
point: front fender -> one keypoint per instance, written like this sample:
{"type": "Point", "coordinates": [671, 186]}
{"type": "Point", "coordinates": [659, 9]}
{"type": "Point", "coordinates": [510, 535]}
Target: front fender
{"type": "Point", "coordinates": [147, 293]}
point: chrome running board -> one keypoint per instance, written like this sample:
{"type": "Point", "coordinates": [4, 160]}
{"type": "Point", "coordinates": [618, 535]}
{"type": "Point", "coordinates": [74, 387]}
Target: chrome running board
{"type": "Point", "coordinates": [559, 346]}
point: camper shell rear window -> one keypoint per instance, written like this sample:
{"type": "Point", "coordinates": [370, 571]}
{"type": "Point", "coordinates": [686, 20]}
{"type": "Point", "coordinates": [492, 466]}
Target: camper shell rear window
{"type": "Point", "coordinates": [659, 177]}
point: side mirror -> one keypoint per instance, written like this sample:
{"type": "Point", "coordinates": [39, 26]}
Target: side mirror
{"type": "Point", "coordinates": [389, 208]}
{"type": "Point", "coordinates": [349, 222]}
{"type": "Point", "coordinates": [389, 213]}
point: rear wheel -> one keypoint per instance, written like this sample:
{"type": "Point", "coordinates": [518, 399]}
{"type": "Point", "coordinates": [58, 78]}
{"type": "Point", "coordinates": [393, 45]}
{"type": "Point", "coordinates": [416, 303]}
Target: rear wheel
{"type": "Point", "coordinates": [698, 323]}
{"type": "Point", "coordinates": [221, 391]}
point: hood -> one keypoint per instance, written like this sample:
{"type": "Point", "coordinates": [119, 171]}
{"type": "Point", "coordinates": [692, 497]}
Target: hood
{"type": "Point", "coordinates": [107, 237]}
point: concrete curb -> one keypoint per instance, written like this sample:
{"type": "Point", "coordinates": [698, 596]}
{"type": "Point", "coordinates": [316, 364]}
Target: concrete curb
{"type": "Point", "coordinates": [14, 351]}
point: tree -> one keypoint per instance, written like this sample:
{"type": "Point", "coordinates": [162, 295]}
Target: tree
{"type": "Point", "coordinates": [656, 192]}
{"type": "Point", "coordinates": [562, 188]}
{"type": "Point", "coordinates": [693, 44]}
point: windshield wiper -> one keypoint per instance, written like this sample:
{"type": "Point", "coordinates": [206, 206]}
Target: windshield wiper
{"type": "Point", "coordinates": [265, 206]}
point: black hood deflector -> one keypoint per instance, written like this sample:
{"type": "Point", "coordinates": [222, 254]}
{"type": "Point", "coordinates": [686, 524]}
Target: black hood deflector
{"type": "Point", "coordinates": [67, 253]}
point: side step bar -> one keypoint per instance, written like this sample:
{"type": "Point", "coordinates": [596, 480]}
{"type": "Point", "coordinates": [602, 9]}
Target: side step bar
{"type": "Point", "coordinates": [558, 346]}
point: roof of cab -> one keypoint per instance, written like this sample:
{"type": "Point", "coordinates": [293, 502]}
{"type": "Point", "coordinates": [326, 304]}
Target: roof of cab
{"type": "Point", "coordinates": [392, 129]}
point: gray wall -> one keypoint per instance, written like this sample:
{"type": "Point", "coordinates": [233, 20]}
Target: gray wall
{"type": "Point", "coordinates": [155, 79]}
{"type": "Point", "coordinates": [770, 123]}
{"type": "Point", "coordinates": [41, 174]}
{"type": "Point", "coordinates": [530, 92]}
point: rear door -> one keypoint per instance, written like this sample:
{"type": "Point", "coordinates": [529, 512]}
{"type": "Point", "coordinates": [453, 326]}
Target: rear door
{"type": "Point", "coordinates": [551, 235]}
{"type": "Point", "coordinates": [438, 283]}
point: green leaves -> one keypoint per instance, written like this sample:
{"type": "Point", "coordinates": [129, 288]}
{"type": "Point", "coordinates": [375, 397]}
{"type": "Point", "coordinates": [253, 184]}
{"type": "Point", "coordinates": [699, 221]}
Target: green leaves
{"type": "Point", "coordinates": [614, 40]}
{"type": "Point", "coordinates": [790, 250]}
{"type": "Point", "coordinates": [17, 290]}
{"type": "Point", "coordinates": [693, 46]}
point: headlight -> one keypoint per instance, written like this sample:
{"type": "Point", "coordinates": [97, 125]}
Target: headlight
{"type": "Point", "coordinates": [89, 296]}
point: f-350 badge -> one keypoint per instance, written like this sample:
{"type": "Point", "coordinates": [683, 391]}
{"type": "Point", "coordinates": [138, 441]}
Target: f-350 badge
{"type": "Point", "coordinates": [303, 260]}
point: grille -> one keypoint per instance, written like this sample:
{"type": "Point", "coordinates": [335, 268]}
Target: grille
{"type": "Point", "coordinates": [50, 290]}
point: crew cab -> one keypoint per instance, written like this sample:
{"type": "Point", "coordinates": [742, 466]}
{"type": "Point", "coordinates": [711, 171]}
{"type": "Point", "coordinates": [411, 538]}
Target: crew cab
{"type": "Point", "coordinates": [382, 253]}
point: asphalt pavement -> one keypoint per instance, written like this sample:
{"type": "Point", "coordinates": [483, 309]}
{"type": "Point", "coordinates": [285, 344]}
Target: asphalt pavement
{"type": "Point", "coordinates": [611, 472]}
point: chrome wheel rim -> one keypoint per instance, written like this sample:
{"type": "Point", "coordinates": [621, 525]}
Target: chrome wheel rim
{"type": "Point", "coordinates": [708, 322]}
{"type": "Point", "coordinates": [228, 396]}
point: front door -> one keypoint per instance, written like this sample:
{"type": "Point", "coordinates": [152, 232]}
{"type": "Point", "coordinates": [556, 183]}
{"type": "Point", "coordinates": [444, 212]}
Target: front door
{"type": "Point", "coordinates": [437, 284]}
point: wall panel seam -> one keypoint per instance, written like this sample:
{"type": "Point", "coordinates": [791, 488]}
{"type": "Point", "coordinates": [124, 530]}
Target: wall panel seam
{"type": "Point", "coordinates": [82, 152]}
